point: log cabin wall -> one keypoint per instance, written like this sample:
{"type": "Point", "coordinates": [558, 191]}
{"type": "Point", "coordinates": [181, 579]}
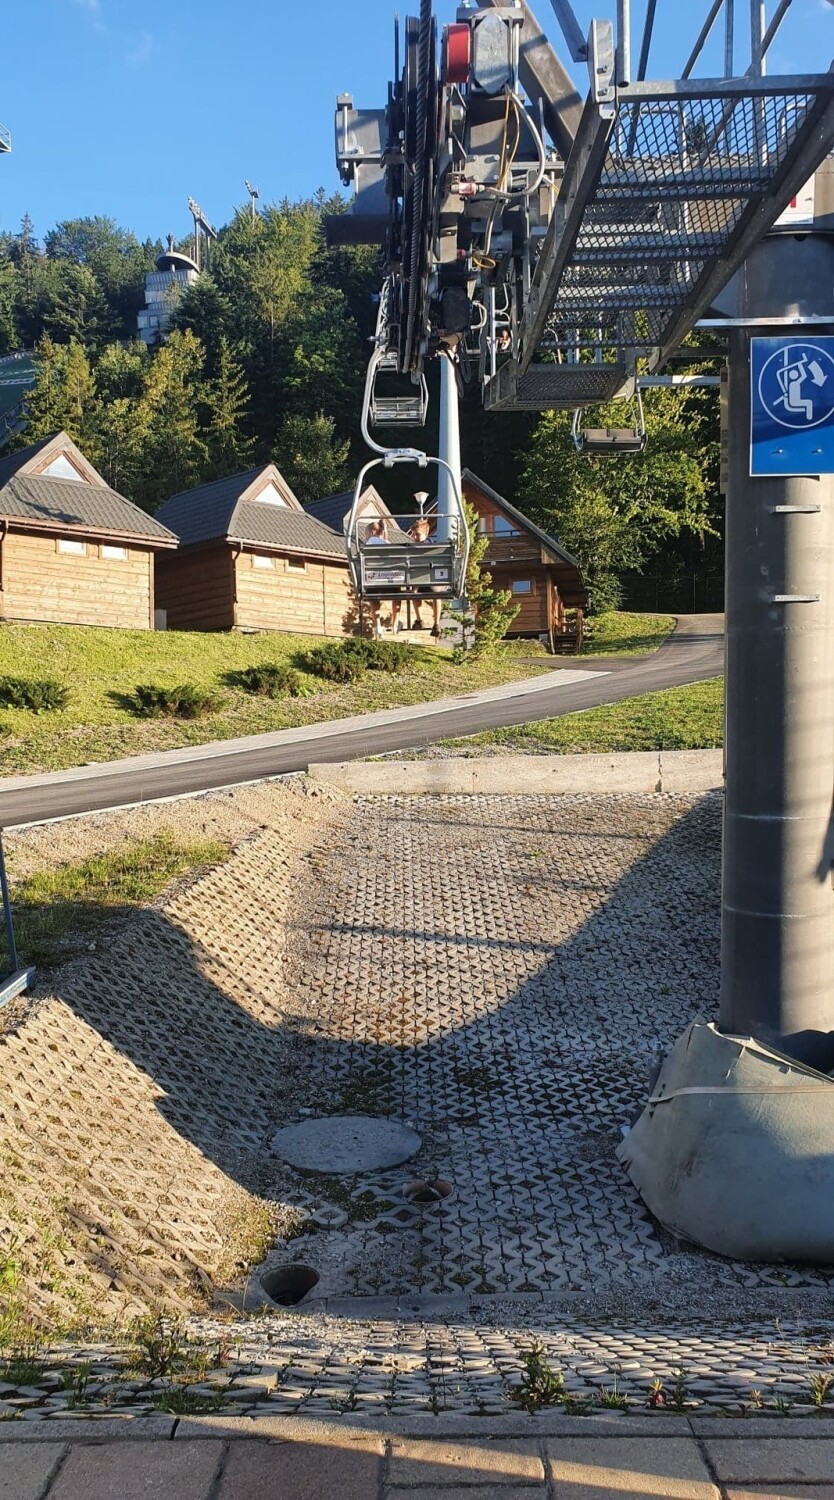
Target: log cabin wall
{"type": "Point", "coordinates": [514, 557]}
{"type": "Point", "coordinates": [43, 583]}
{"type": "Point", "coordinates": [293, 594]}
{"type": "Point", "coordinates": [195, 586]}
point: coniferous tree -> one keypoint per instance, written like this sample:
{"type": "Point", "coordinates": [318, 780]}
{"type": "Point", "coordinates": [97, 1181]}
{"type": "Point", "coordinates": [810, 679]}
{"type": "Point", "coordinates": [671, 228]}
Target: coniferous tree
{"type": "Point", "coordinates": [227, 401]}
{"type": "Point", "coordinates": [174, 454]}
{"type": "Point", "coordinates": [311, 458]}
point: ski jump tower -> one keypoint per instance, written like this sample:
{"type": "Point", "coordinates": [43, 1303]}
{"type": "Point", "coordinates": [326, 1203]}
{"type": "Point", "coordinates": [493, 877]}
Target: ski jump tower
{"type": "Point", "coordinates": [557, 250]}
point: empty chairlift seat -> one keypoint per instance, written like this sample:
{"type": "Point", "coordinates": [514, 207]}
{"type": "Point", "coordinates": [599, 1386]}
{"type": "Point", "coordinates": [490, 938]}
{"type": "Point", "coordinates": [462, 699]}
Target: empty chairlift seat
{"type": "Point", "coordinates": [611, 442]}
{"type": "Point", "coordinates": [389, 405]}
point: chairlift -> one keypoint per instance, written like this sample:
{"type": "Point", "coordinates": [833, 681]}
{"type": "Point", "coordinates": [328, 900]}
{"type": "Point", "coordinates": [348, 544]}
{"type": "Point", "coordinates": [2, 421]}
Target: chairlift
{"type": "Point", "coordinates": [611, 442]}
{"type": "Point", "coordinates": [389, 407]}
{"type": "Point", "coordinates": [387, 562]}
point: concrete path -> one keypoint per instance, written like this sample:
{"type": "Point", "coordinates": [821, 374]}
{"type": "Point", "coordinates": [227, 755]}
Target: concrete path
{"type": "Point", "coordinates": [694, 652]}
{"type": "Point", "coordinates": [595, 1458]}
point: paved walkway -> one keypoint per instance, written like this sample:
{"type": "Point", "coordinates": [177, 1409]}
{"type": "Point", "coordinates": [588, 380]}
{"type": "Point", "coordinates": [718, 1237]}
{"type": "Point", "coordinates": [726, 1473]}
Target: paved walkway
{"type": "Point", "coordinates": [542, 1458]}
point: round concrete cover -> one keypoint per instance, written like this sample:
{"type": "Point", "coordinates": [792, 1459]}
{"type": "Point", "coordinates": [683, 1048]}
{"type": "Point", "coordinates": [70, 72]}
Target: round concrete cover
{"type": "Point", "coordinates": [346, 1143]}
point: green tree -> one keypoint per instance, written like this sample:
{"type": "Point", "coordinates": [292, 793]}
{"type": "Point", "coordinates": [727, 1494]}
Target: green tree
{"type": "Point", "coordinates": [490, 611]}
{"type": "Point", "coordinates": [226, 399]}
{"type": "Point", "coordinates": [174, 454]}
{"type": "Point", "coordinates": [612, 514]}
{"type": "Point", "coordinates": [310, 456]}
{"type": "Point", "coordinates": [63, 397]}
{"type": "Point", "coordinates": [115, 259]}
{"type": "Point", "coordinates": [72, 305]}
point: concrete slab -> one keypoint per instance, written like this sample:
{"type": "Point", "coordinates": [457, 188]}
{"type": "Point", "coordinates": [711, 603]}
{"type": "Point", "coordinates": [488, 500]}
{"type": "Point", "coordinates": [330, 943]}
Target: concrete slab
{"type": "Point", "coordinates": [491, 1462]}
{"type": "Point", "coordinates": [148, 1471]}
{"type": "Point", "coordinates": [762, 1427]}
{"type": "Point", "coordinates": [782, 1492]}
{"type": "Point", "coordinates": [664, 1468]}
{"type": "Point", "coordinates": [771, 1460]}
{"type": "Point", "coordinates": [86, 1429]}
{"type": "Point", "coordinates": [346, 1143]}
{"type": "Point", "coordinates": [638, 771]}
{"type": "Point", "coordinates": [467, 1492]}
{"type": "Point", "coordinates": [25, 1473]}
{"type": "Point", "coordinates": [301, 1471]}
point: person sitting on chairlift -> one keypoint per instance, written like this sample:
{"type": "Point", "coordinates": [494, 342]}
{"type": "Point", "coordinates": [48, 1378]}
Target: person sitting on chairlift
{"type": "Point", "coordinates": [375, 537]}
{"type": "Point", "coordinates": [419, 532]}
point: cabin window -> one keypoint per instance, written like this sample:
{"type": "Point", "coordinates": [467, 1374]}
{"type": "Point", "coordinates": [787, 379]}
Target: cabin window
{"type": "Point", "coordinates": [502, 527]}
{"type": "Point", "coordinates": [114, 554]}
{"type": "Point", "coordinates": [271, 495]}
{"type": "Point", "coordinates": [69, 544]}
{"type": "Point", "coordinates": [61, 468]}
{"type": "Point", "coordinates": [261, 560]}
{"type": "Point", "coordinates": [296, 565]}
{"type": "Point", "coordinates": [522, 585]}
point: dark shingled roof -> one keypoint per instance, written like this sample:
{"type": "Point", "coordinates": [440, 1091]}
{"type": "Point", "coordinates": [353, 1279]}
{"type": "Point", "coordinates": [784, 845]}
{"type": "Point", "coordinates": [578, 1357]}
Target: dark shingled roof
{"type": "Point", "coordinates": [575, 592]}
{"type": "Point", "coordinates": [333, 509]}
{"type": "Point", "coordinates": [75, 506]}
{"type": "Point", "coordinates": [11, 463]}
{"type": "Point", "coordinates": [221, 511]}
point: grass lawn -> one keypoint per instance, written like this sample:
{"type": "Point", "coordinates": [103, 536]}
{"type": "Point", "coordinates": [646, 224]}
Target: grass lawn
{"type": "Point", "coordinates": [618, 634]}
{"type": "Point", "coordinates": [682, 718]}
{"type": "Point", "coordinates": [57, 911]}
{"type": "Point", "coordinates": [101, 667]}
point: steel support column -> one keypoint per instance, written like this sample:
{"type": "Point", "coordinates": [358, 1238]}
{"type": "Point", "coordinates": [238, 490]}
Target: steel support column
{"type": "Point", "coordinates": [777, 977]}
{"type": "Point", "coordinates": [448, 446]}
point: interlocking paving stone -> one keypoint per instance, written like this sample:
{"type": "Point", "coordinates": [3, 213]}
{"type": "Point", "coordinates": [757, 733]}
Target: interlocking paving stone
{"type": "Point", "coordinates": [25, 1472]}
{"type": "Point", "coordinates": [494, 1461]}
{"type": "Point", "coordinates": [669, 1468]}
{"type": "Point", "coordinates": [782, 1492]}
{"type": "Point", "coordinates": [771, 1460]}
{"type": "Point", "coordinates": [145, 1471]}
{"type": "Point", "coordinates": [302, 1471]}
{"type": "Point", "coordinates": [470, 1492]}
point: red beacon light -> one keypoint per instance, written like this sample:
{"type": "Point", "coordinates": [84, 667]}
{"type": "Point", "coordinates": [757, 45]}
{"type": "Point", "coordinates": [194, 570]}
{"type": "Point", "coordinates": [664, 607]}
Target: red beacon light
{"type": "Point", "coordinates": [458, 53]}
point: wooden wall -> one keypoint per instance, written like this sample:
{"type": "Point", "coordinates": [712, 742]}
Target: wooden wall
{"type": "Point", "coordinates": [42, 584]}
{"type": "Point", "coordinates": [316, 602]}
{"type": "Point", "coordinates": [196, 587]}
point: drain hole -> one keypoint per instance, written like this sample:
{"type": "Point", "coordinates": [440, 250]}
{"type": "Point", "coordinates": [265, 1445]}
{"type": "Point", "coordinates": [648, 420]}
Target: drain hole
{"type": "Point", "coordinates": [288, 1285]}
{"type": "Point", "coordinates": [434, 1190]}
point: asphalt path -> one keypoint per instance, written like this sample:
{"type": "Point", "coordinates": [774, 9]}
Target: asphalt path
{"type": "Point", "coordinates": [695, 651]}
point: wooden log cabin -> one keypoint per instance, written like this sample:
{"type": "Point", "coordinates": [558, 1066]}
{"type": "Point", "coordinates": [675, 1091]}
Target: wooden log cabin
{"type": "Point", "coordinates": [73, 551]}
{"type": "Point", "coordinates": [250, 558]}
{"type": "Point", "coordinates": [544, 580]}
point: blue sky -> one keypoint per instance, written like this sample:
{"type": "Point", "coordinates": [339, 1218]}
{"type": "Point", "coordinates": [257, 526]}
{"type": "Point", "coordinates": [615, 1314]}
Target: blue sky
{"type": "Point", "coordinates": [125, 107]}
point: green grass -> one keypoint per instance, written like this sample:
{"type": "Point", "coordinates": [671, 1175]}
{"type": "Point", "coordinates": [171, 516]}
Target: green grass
{"type": "Point", "coordinates": [58, 910]}
{"type": "Point", "coordinates": [103, 667]}
{"type": "Point", "coordinates": [682, 718]}
{"type": "Point", "coordinates": [616, 634]}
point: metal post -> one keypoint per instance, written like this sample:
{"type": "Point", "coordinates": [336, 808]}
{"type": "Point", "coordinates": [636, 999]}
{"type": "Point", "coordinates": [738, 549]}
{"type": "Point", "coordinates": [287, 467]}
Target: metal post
{"type": "Point", "coordinates": [757, 33]}
{"type": "Point", "coordinates": [729, 37]}
{"type": "Point", "coordinates": [777, 963]}
{"type": "Point", "coordinates": [7, 910]}
{"type": "Point", "coordinates": [448, 446]}
{"type": "Point", "coordinates": [623, 42]}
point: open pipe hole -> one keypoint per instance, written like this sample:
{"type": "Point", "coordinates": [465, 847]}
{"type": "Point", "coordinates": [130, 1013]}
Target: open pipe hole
{"type": "Point", "coordinates": [289, 1285]}
{"type": "Point", "coordinates": [430, 1190]}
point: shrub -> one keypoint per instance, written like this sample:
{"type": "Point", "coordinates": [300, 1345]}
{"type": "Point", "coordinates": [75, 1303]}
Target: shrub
{"type": "Point", "coordinates": [379, 656]}
{"type": "Point", "coordinates": [270, 680]}
{"type": "Point", "coordinates": [41, 696]}
{"type": "Point", "coordinates": [334, 664]}
{"type": "Point", "coordinates": [184, 702]}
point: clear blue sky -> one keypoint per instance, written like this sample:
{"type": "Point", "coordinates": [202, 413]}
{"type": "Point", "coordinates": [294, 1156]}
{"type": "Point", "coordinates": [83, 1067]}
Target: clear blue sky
{"type": "Point", "coordinates": [125, 107]}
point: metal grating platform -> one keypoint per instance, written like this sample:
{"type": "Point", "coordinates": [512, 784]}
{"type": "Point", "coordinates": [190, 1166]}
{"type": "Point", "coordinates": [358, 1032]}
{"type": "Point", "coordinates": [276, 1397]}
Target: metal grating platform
{"type": "Point", "coordinates": [664, 195]}
{"type": "Point", "coordinates": [555, 387]}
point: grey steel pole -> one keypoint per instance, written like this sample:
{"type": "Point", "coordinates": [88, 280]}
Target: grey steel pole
{"type": "Point", "coordinates": [7, 910]}
{"type": "Point", "coordinates": [729, 34]}
{"type": "Point", "coordinates": [777, 938]}
{"type": "Point", "coordinates": [448, 447]}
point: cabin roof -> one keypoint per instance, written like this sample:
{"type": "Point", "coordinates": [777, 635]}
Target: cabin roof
{"type": "Point", "coordinates": [333, 509]}
{"type": "Point", "coordinates": [229, 510]}
{"type": "Point", "coordinates": [572, 585]}
{"type": "Point", "coordinates": [45, 502]}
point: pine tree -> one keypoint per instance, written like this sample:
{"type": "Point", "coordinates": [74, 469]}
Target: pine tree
{"type": "Point", "coordinates": [174, 455]}
{"type": "Point", "coordinates": [227, 402]}
{"type": "Point", "coordinates": [63, 397]}
{"type": "Point", "coordinates": [311, 457]}
{"type": "Point", "coordinates": [490, 611]}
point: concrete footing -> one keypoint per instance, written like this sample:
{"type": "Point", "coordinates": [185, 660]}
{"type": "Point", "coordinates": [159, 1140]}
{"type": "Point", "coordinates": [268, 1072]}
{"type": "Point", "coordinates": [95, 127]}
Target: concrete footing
{"type": "Point", "coordinates": [733, 1150]}
{"type": "Point", "coordinates": [641, 771]}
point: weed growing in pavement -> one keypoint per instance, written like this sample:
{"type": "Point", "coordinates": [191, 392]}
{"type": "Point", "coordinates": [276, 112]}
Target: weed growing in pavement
{"type": "Point", "coordinates": [756, 1398]}
{"type": "Point", "coordinates": [75, 1379]}
{"type": "Point", "coordinates": [821, 1387]}
{"type": "Point", "coordinates": [679, 1391]}
{"type": "Point", "coordinates": [656, 1396]}
{"type": "Point", "coordinates": [164, 1351]}
{"type": "Point", "coordinates": [180, 1401]}
{"type": "Point", "coordinates": [22, 1368]}
{"type": "Point", "coordinates": [540, 1385]}
{"type": "Point", "coordinates": [613, 1398]}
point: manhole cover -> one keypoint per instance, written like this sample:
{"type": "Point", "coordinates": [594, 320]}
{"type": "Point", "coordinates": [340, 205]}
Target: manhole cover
{"type": "Point", "coordinates": [432, 1190]}
{"type": "Point", "coordinates": [346, 1143]}
{"type": "Point", "coordinates": [288, 1285]}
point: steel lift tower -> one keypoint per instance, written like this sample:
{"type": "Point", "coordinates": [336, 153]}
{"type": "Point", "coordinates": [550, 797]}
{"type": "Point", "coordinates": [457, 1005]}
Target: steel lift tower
{"type": "Point", "coordinates": [557, 250]}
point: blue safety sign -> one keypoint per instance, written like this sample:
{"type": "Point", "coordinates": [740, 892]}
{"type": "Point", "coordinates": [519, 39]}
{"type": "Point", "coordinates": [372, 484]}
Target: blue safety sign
{"type": "Point", "coordinates": [792, 406]}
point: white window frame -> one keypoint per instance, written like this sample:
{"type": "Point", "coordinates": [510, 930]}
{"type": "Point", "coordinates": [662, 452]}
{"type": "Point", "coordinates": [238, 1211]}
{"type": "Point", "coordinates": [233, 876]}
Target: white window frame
{"type": "Point", "coordinates": [295, 565]}
{"type": "Point", "coordinates": [263, 560]}
{"type": "Point", "coordinates": [113, 552]}
{"type": "Point", "coordinates": [523, 587]}
{"type": "Point", "coordinates": [71, 546]}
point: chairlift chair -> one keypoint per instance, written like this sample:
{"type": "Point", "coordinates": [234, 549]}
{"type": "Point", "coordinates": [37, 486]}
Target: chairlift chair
{"type": "Point", "coordinates": [392, 408]}
{"type": "Point", "coordinates": [611, 442]}
{"type": "Point", "coordinates": [400, 567]}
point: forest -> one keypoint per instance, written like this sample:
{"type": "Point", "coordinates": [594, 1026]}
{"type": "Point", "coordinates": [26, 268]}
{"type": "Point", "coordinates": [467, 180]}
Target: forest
{"type": "Point", "coordinates": [266, 360]}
